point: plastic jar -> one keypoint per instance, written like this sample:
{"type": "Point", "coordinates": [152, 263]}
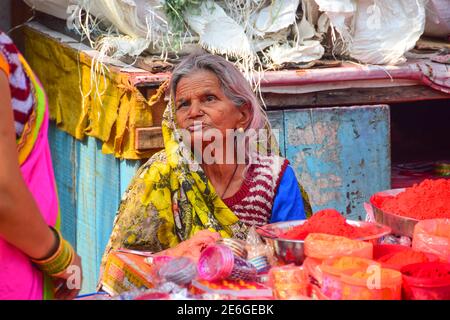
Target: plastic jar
{"type": "Point", "coordinates": [426, 281]}
{"type": "Point", "coordinates": [216, 263]}
{"type": "Point", "coordinates": [325, 246]}
{"type": "Point", "coordinates": [333, 269]}
{"type": "Point", "coordinates": [374, 284]}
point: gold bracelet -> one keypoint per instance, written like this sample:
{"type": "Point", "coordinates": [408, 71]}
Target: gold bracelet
{"type": "Point", "coordinates": [59, 261]}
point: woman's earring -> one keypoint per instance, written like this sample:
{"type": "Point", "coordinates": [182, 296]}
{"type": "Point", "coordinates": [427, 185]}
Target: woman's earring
{"type": "Point", "coordinates": [240, 130]}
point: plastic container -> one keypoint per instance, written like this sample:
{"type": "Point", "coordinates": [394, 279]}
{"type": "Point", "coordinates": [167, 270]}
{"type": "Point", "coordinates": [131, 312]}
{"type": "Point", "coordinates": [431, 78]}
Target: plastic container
{"type": "Point", "coordinates": [421, 281]}
{"type": "Point", "coordinates": [433, 236]}
{"type": "Point", "coordinates": [313, 273]}
{"type": "Point", "coordinates": [368, 286]}
{"type": "Point", "coordinates": [333, 269]}
{"type": "Point", "coordinates": [324, 246]}
{"type": "Point", "coordinates": [216, 263]}
{"type": "Point", "coordinates": [288, 282]}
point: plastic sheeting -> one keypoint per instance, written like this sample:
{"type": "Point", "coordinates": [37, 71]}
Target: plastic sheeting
{"type": "Point", "coordinates": [377, 31]}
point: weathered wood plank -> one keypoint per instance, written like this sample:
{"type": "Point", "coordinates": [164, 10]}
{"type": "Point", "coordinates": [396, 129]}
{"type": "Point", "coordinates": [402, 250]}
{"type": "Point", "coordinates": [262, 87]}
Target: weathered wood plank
{"type": "Point", "coordinates": [276, 119]}
{"type": "Point", "coordinates": [352, 96]}
{"type": "Point", "coordinates": [341, 155]}
{"type": "Point", "coordinates": [149, 138]}
{"type": "Point", "coordinates": [107, 198]}
{"type": "Point", "coordinates": [63, 152]}
{"type": "Point", "coordinates": [86, 212]}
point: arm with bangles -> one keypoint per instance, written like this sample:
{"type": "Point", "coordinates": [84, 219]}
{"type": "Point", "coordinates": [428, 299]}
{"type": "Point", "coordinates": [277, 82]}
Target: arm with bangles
{"type": "Point", "coordinates": [21, 223]}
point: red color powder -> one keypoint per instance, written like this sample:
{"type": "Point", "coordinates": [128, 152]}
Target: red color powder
{"type": "Point", "coordinates": [405, 257]}
{"type": "Point", "coordinates": [435, 270]}
{"type": "Point", "coordinates": [328, 221]}
{"type": "Point", "coordinates": [428, 200]}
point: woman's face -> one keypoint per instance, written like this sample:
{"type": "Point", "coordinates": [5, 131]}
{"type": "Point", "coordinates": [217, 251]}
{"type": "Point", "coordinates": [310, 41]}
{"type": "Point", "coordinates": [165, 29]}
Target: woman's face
{"type": "Point", "coordinates": [202, 107]}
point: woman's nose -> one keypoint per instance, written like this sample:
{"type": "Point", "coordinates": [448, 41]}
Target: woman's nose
{"type": "Point", "coordinates": [195, 110]}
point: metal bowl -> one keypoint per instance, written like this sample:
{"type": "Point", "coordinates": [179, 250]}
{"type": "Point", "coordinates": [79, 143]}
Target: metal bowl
{"type": "Point", "coordinates": [292, 251]}
{"type": "Point", "coordinates": [401, 226]}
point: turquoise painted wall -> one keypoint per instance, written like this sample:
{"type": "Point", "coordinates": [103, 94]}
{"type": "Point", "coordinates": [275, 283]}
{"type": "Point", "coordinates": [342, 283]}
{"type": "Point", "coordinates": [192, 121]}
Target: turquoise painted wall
{"type": "Point", "coordinates": [90, 185]}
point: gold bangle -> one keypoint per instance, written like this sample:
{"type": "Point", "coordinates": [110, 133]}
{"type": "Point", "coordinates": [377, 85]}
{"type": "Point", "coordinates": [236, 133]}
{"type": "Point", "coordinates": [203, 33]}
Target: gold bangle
{"type": "Point", "coordinates": [56, 253]}
{"type": "Point", "coordinates": [59, 261]}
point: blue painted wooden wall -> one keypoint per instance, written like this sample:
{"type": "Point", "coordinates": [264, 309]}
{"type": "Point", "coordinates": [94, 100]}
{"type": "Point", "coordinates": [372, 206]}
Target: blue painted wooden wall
{"type": "Point", "coordinates": [90, 185]}
{"type": "Point", "coordinates": [340, 155]}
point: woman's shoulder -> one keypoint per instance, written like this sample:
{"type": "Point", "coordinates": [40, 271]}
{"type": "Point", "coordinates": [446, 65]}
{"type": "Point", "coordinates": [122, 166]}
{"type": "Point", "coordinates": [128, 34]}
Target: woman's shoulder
{"type": "Point", "coordinates": [271, 165]}
{"type": "Point", "coordinates": [160, 156]}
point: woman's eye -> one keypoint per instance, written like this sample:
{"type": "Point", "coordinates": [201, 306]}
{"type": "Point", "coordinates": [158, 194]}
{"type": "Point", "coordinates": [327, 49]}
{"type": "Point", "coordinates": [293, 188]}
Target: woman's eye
{"type": "Point", "coordinates": [211, 98]}
{"type": "Point", "coordinates": [182, 105]}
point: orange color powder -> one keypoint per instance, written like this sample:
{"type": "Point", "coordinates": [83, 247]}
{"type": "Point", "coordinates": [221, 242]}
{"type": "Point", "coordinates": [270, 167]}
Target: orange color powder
{"type": "Point", "coordinates": [428, 200]}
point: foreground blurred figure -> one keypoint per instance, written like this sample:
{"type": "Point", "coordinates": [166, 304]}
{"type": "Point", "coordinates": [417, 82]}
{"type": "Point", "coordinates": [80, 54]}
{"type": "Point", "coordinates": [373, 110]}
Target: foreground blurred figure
{"type": "Point", "coordinates": [35, 261]}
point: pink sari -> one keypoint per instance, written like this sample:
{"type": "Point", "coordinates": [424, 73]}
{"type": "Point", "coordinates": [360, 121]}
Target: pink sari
{"type": "Point", "coordinates": [19, 278]}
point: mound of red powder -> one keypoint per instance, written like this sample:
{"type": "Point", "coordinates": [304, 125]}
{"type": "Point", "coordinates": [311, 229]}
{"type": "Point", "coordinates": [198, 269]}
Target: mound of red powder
{"type": "Point", "coordinates": [405, 257]}
{"type": "Point", "coordinates": [328, 221]}
{"type": "Point", "coordinates": [428, 200]}
{"type": "Point", "coordinates": [435, 270]}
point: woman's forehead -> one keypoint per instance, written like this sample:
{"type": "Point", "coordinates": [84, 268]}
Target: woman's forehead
{"type": "Point", "coordinates": [198, 81]}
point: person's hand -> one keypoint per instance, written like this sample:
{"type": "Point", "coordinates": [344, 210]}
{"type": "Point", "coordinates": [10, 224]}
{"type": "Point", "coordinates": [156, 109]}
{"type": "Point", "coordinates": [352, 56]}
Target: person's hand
{"type": "Point", "coordinates": [68, 283]}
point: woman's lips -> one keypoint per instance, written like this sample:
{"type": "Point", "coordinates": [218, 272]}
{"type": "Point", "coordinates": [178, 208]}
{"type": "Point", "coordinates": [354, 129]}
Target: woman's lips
{"type": "Point", "coordinates": [196, 127]}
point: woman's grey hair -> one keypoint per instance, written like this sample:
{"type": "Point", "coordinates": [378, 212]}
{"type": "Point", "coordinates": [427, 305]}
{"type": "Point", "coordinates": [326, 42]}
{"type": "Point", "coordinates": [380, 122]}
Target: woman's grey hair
{"type": "Point", "coordinates": [233, 83]}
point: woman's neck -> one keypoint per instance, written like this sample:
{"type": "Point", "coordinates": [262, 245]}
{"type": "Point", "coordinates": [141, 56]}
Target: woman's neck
{"type": "Point", "coordinates": [219, 170]}
{"type": "Point", "coordinates": [226, 178]}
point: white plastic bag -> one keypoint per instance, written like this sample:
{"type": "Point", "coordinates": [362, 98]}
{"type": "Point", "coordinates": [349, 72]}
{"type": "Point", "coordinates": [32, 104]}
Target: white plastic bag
{"type": "Point", "coordinates": [377, 31]}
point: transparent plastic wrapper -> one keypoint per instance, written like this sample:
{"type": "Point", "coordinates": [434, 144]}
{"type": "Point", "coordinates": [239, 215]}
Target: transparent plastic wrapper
{"type": "Point", "coordinates": [433, 236]}
{"type": "Point", "coordinates": [324, 246]}
{"type": "Point", "coordinates": [313, 271]}
{"type": "Point", "coordinates": [288, 282]}
{"type": "Point", "coordinates": [227, 290]}
{"type": "Point", "coordinates": [256, 247]}
{"type": "Point", "coordinates": [166, 291]}
{"type": "Point", "coordinates": [179, 270]}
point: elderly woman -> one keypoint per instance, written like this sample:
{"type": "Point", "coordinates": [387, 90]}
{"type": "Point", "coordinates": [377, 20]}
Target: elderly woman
{"type": "Point", "coordinates": [179, 192]}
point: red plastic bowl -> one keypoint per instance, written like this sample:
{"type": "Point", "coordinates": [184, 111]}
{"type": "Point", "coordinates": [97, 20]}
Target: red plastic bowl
{"type": "Point", "coordinates": [417, 287]}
